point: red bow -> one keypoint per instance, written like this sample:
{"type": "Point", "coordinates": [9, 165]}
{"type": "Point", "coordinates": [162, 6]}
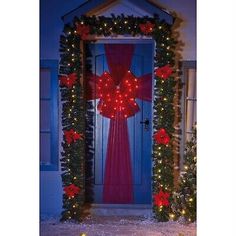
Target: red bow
{"type": "Point", "coordinates": [161, 199]}
{"type": "Point", "coordinates": [120, 98]}
{"type": "Point", "coordinates": [163, 72]}
{"type": "Point", "coordinates": [161, 137]}
{"type": "Point", "coordinates": [68, 80]}
{"type": "Point", "coordinates": [72, 136]}
{"type": "Point", "coordinates": [147, 28]}
{"type": "Point", "coordinates": [71, 190]}
{"type": "Point", "coordinates": [83, 31]}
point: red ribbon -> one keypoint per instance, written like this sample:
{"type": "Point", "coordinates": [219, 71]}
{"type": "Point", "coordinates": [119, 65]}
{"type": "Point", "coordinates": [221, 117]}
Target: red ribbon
{"type": "Point", "coordinates": [117, 98]}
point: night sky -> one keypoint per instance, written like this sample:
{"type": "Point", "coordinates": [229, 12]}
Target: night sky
{"type": "Point", "coordinates": [51, 24]}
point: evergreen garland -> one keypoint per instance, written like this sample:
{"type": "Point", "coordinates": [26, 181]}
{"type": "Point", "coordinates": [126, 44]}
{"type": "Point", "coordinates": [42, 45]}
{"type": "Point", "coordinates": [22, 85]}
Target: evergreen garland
{"type": "Point", "coordinates": [184, 203]}
{"type": "Point", "coordinates": [73, 104]}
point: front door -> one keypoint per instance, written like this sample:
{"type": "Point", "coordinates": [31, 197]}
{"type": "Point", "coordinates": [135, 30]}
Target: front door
{"type": "Point", "coordinates": [123, 137]}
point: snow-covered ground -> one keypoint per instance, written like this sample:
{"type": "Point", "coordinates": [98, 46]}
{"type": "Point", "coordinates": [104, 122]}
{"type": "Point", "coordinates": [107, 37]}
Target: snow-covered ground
{"type": "Point", "coordinates": [114, 225]}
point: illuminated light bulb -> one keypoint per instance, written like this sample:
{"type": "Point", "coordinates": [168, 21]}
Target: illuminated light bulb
{"type": "Point", "coordinates": [73, 59]}
{"type": "Point", "coordinates": [115, 22]}
{"type": "Point", "coordinates": [159, 27]}
{"type": "Point", "coordinates": [159, 154]}
{"type": "Point", "coordinates": [110, 28]}
{"type": "Point", "coordinates": [161, 185]}
{"type": "Point", "coordinates": [105, 24]}
{"type": "Point", "coordinates": [82, 22]}
{"type": "Point", "coordinates": [159, 177]}
{"type": "Point", "coordinates": [75, 31]}
{"type": "Point", "coordinates": [75, 177]}
{"type": "Point", "coordinates": [116, 100]}
{"type": "Point", "coordinates": [128, 71]}
{"type": "Point", "coordinates": [125, 116]}
{"type": "Point", "coordinates": [183, 212]}
{"type": "Point", "coordinates": [100, 28]}
{"type": "Point", "coordinates": [167, 38]}
{"type": "Point", "coordinates": [162, 44]}
{"type": "Point", "coordinates": [172, 216]}
{"type": "Point", "coordinates": [75, 119]}
{"type": "Point", "coordinates": [165, 99]}
{"type": "Point", "coordinates": [73, 45]}
{"type": "Point", "coordinates": [73, 96]}
{"type": "Point", "coordinates": [106, 85]}
{"type": "Point", "coordinates": [160, 161]}
{"type": "Point", "coordinates": [69, 33]}
{"type": "Point", "coordinates": [73, 206]}
{"type": "Point", "coordinates": [162, 81]}
{"type": "Point", "coordinates": [159, 148]}
{"type": "Point", "coordinates": [168, 48]}
{"type": "Point", "coordinates": [162, 109]}
{"type": "Point", "coordinates": [68, 64]}
{"type": "Point", "coordinates": [190, 199]}
{"type": "Point", "coordinates": [186, 167]}
{"type": "Point", "coordinates": [68, 49]}
{"type": "Point", "coordinates": [159, 170]}
{"type": "Point", "coordinates": [167, 54]}
{"type": "Point", "coordinates": [189, 219]}
{"type": "Point", "coordinates": [126, 22]}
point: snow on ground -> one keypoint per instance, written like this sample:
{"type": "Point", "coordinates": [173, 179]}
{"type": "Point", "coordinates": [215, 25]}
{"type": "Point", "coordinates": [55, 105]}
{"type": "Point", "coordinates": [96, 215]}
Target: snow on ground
{"type": "Point", "coordinates": [114, 225]}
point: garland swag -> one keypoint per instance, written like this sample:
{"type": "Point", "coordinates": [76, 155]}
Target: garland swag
{"type": "Point", "coordinates": [73, 106]}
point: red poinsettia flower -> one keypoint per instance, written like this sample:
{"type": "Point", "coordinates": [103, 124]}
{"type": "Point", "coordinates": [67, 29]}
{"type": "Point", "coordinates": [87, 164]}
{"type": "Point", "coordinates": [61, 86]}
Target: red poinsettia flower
{"type": "Point", "coordinates": [147, 28]}
{"type": "Point", "coordinates": [71, 190]}
{"type": "Point", "coordinates": [163, 72]}
{"type": "Point", "coordinates": [68, 80]}
{"type": "Point", "coordinates": [72, 136]}
{"type": "Point", "coordinates": [161, 137]}
{"type": "Point", "coordinates": [83, 31]}
{"type": "Point", "coordinates": [161, 199]}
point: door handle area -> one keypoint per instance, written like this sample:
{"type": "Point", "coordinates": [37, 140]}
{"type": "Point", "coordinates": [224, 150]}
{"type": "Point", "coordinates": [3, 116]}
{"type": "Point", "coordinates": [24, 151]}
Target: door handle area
{"type": "Point", "coordinates": [146, 123]}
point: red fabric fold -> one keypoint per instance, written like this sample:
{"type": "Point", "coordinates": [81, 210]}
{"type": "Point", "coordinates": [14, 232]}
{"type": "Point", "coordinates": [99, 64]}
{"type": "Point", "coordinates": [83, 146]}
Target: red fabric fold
{"type": "Point", "coordinates": [119, 58]}
{"type": "Point", "coordinates": [144, 91]}
{"type": "Point", "coordinates": [118, 185]}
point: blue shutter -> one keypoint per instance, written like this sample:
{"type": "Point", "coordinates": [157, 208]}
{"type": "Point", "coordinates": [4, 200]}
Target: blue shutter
{"type": "Point", "coordinates": [49, 115]}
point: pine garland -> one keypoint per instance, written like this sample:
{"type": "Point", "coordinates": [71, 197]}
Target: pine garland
{"type": "Point", "coordinates": [73, 110]}
{"type": "Point", "coordinates": [184, 203]}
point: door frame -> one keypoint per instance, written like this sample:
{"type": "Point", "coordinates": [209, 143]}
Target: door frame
{"type": "Point", "coordinates": [133, 40]}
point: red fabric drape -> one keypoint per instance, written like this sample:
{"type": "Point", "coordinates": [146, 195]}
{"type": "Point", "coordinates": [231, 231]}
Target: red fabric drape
{"type": "Point", "coordinates": [118, 184]}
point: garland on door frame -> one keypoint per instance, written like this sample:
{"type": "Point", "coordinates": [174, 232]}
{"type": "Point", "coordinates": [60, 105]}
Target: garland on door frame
{"type": "Point", "coordinates": [73, 106]}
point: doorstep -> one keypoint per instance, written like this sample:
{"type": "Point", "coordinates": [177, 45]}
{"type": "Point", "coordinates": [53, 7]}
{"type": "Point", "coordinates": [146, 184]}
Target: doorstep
{"type": "Point", "coordinates": [121, 210]}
